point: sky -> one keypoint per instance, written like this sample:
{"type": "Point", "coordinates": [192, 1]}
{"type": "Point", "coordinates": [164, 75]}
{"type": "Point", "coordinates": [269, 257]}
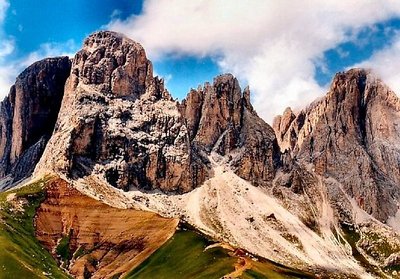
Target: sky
{"type": "Point", "coordinates": [286, 51]}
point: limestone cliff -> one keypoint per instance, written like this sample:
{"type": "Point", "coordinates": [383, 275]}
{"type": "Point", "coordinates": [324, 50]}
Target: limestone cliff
{"type": "Point", "coordinates": [352, 135]}
{"type": "Point", "coordinates": [28, 115]}
{"type": "Point", "coordinates": [119, 122]}
{"type": "Point", "coordinates": [220, 118]}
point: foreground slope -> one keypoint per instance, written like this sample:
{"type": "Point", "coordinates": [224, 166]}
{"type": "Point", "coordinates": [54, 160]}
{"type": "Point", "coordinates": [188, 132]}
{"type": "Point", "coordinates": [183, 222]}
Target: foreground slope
{"type": "Point", "coordinates": [93, 239]}
{"type": "Point", "coordinates": [86, 237]}
{"type": "Point", "coordinates": [190, 255]}
{"type": "Point", "coordinates": [21, 255]}
{"type": "Point", "coordinates": [78, 232]}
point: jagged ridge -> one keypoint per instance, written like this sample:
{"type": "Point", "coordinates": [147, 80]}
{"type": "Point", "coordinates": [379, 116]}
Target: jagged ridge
{"type": "Point", "coordinates": [352, 135]}
{"type": "Point", "coordinates": [119, 122]}
{"type": "Point", "coordinates": [28, 115]}
{"type": "Point", "coordinates": [119, 126]}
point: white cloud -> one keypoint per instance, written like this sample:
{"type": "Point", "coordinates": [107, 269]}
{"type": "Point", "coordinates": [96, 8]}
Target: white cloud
{"type": "Point", "coordinates": [115, 14]}
{"type": "Point", "coordinates": [11, 67]}
{"type": "Point", "coordinates": [9, 70]}
{"type": "Point", "coordinates": [385, 63]}
{"type": "Point", "coordinates": [3, 8]}
{"type": "Point", "coordinates": [49, 50]}
{"type": "Point", "coordinates": [6, 48]}
{"type": "Point", "coordinates": [273, 45]}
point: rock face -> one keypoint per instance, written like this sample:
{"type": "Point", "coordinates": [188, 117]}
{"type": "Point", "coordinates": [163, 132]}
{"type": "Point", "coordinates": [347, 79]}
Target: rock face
{"type": "Point", "coordinates": [28, 115]}
{"type": "Point", "coordinates": [352, 135]}
{"type": "Point", "coordinates": [94, 246]}
{"type": "Point", "coordinates": [281, 125]}
{"type": "Point", "coordinates": [220, 118]}
{"type": "Point", "coordinates": [119, 122]}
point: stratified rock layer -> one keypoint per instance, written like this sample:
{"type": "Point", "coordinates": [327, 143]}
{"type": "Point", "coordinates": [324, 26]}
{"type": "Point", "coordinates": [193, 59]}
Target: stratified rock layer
{"type": "Point", "coordinates": [96, 246]}
{"type": "Point", "coordinates": [28, 115]}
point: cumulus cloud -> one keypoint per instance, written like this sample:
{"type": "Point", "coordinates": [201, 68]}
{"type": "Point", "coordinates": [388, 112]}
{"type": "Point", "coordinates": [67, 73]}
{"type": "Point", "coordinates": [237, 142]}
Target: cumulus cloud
{"type": "Point", "coordinates": [273, 45]}
{"type": "Point", "coordinates": [3, 8]}
{"type": "Point", "coordinates": [6, 48]}
{"type": "Point", "coordinates": [11, 67]}
{"type": "Point", "coordinates": [45, 50]}
{"type": "Point", "coordinates": [385, 63]}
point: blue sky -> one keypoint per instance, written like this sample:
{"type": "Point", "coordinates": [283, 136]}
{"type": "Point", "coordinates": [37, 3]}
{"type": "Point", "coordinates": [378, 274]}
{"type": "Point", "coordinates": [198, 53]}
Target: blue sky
{"type": "Point", "coordinates": [68, 22]}
{"type": "Point", "coordinates": [287, 53]}
{"type": "Point", "coordinates": [367, 41]}
{"type": "Point", "coordinates": [32, 24]}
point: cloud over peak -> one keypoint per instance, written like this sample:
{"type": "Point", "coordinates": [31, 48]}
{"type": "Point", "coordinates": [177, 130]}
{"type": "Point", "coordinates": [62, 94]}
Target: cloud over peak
{"type": "Point", "coordinates": [273, 45]}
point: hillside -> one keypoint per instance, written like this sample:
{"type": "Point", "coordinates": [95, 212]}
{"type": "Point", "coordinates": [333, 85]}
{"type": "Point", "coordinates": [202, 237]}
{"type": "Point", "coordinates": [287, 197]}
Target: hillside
{"type": "Point", "coordinates": [318, 192]}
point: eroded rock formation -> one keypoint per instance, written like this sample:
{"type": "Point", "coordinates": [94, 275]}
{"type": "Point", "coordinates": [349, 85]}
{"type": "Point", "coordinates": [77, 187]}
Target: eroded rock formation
{"type": "Point", "coordinates": [221, 119]}
{"type": "Point", "coordinates": [352, 135]}
{"type": "Point", "coordinates": [78, 232]}
{"type": "Point", "coordinates": [119, 122]}
{"type": "Point", "coordinates": [28, 115]}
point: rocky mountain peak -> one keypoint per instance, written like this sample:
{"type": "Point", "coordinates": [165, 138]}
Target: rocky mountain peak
{"type": "Point", "coordinates": [351, 129]}
{"type": "Point", "coordinates": [112, 64]}
{"type": "Point", "coordinates": [281, 125]}
{"type": "Point", "coordinates": [221, 119]}
{"type": "Point", "coordinates": [118, 122]}
{"type": "Point", "coordinates": [215, 109]}
{"type": "Point", "coordinates": [28, 115]}
{"type": "Point", "coordinates": [352, 79]}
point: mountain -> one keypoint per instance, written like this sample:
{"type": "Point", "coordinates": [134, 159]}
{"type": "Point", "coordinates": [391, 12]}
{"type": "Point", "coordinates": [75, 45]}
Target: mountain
{"type": "Point", "coordinates": [317, 193]}
{"type": "Point", "coordinates": [28, 116]}
{"type": "Point", "coordinates": [119, 121]}
{"type": "Point", "coordinates": [351, 135]}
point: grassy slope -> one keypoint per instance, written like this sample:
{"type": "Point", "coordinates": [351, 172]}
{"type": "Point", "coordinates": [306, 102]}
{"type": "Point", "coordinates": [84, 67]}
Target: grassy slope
{"type": "Point", "coordinates": [269, 270]}
{"type": "Point", "coordinates": [21, 255]}
{"type": "Point", "coordinates": [183, 256]}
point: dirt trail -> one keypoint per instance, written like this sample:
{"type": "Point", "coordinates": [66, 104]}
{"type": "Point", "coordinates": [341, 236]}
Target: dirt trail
{"type": "Point", "coordinates": [241, 266]}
